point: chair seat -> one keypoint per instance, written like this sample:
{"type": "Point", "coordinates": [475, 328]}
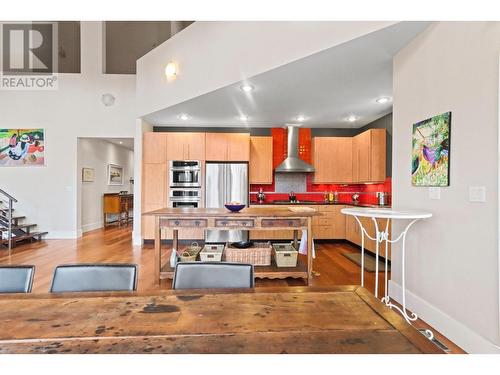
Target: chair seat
{"type": "Point", "coordinates": [205, 275]}
{"type": "Point", "coordinates": [94, 278]}
{"type": "Point", "coordinates": [16, 279]}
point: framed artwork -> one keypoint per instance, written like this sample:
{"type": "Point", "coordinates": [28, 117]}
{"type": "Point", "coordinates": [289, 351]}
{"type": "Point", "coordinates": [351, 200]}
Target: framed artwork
{"type": "Point", "coordinates": [22, 147]}
{"type": "Point", "coordinates": [115, 174]}
{"type": "Point", "coordinates": [88, 174]}
{"type": "Point", "coordinates": [431, 151]}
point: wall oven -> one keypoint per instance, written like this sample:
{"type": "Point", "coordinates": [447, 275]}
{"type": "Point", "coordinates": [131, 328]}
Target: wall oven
{"type": "Point", "coordinates": [185, 197]}
{"type": "Point", "coordinates": [185, 173]}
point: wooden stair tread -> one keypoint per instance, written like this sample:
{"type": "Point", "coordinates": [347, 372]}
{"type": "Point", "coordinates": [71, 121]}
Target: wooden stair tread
{"type": "Point", "coordinates": [25, 237]}
{"type": "Point", "coordinates": [22, 226]}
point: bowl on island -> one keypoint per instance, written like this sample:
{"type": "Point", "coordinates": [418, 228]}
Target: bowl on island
{"type": "Point", "coordinates": [234, 206]}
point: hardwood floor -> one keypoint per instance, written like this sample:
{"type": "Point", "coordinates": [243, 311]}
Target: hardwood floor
{"type": "Point", "coordinates": [114, 245]}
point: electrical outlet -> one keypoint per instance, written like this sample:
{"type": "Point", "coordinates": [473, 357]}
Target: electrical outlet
{"type": "Point", "coordinates": [477, 194]}
{"type": "Point", "coordinates": [435, 193]}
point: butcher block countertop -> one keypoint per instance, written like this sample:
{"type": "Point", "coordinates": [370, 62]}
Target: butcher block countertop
{"type": "Point", "coordinates": [344, 319]}
{"type": "Point", "coordinates": [222, 212]}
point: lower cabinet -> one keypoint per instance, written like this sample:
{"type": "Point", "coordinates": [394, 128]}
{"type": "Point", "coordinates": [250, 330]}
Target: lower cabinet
{"type": "Point", "coordinates": [353, 233]}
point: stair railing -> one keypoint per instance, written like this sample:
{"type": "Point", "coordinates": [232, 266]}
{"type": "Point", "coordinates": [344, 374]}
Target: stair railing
{"type": "Point", "coordinates": [12, 200]}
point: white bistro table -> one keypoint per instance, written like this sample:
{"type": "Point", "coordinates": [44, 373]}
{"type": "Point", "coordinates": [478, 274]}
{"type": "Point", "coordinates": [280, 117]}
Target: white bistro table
{"type": "Point", "coordinates": [382, 235]}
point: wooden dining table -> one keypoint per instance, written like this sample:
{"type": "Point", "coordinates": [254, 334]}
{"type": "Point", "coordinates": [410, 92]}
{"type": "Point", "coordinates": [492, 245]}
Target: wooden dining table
{"type": "Point", "coordinates": [342, 319]}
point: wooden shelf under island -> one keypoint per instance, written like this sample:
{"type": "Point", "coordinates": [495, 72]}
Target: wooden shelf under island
{"type": "Point", "coordinates": [269, 218]}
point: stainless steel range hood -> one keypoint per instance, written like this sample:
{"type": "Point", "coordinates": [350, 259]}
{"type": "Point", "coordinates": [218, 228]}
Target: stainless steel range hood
{"type": "Point", "coordinates": [293, 163]}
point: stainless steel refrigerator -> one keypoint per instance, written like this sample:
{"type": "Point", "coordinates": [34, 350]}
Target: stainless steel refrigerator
{"type": "Point", "coordinates": [225, 183]}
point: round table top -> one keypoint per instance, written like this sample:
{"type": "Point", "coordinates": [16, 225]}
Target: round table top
{"type": "Point", "coordinates": [386, 213]}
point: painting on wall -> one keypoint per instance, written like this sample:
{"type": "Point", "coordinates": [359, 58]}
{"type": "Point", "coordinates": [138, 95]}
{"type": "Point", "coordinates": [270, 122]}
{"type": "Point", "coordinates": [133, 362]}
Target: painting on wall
{"type": "Point", "coordinates": [115, 174]}
{"type": "Point", "coordinates": [22, 147]}
{"type": "Point", "coordinates": [431, 151]}
{"type": "Point", "coordinates": [88, 174]}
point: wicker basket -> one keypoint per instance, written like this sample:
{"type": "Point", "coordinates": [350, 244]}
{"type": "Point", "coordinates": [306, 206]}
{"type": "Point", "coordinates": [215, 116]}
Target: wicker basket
{"type": "Point", "coordinates": [285, 255]}
{"type": "Point", "coordinates": [258, 255]}
{"type": "Point", "coordinates": [212, 253]}
{"type": "Point", "coordinates": [190, 253]}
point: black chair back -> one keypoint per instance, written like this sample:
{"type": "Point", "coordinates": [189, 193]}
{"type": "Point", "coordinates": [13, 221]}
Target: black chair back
{"type": "Point", "coordinates": [205, 275]}
{"type": "Point", "coordinates": [16, 279]}
{"type": "Point", "coordinates": [94, 278]}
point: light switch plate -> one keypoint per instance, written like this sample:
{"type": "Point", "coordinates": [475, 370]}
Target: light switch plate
{"type": "Point", "coordinates": [435, 193]}
{"type": "Point", "coordinates": [477, 194]}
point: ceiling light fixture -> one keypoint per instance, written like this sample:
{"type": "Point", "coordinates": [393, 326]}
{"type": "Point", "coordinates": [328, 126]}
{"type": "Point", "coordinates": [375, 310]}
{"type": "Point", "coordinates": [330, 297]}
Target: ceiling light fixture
{"type": "Point", "coordinates": [171, 70]}
{"type": "Point", "coordinates": [382, 100]}
{"type": "Point", "coordinates": [301, 118]}
{"type": "Point", "coordinates": [243, 117]}
{"type": "Point", "coordinates": [108, 99]}
{"type": "Point", "coordinates": [183, 117]}
{"type": "Point", "coordinates": [120, 142]}
{"type": "Point", "coordinates": [246, 88]}
{"type": "Point", "coordinates": [351, 118]}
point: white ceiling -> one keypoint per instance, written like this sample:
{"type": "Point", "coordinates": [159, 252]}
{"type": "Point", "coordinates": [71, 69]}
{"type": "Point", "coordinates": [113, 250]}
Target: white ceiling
{"type": "Point", "coordinates": [326, 88]}
{"type": "Point", "coordinates": [128, 143]}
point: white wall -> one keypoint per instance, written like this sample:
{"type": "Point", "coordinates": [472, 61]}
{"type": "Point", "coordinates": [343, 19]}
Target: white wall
{"type": "Point", "coordinates": [212, 55]}
{"type": "Point", "coordinates": [49, 195]}
{"type": "Point", "coordinates": [97, 153]}
{"type": "Point", "coordinates": [453, 263]}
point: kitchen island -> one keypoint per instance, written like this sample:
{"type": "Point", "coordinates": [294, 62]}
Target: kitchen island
{"type": "Point", "coordinates": [266, 219]}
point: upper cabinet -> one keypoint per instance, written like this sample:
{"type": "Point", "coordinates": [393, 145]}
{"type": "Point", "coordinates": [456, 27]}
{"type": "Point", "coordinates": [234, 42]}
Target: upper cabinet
{"type": "Point", "coordinates": [344, 160]}
{"type": "Point", "coordinates": [261, 160]}
{"type": "Point", "coordinates": [154, 147]}
{"type": "Point", "coordinates": [227, 147]}
{"type": "Point", "coordinates": [369, 156]}
{"type": "Point", "coordinates": [186, 146]}
{"type": "Point", "coordinates": [332, 159]}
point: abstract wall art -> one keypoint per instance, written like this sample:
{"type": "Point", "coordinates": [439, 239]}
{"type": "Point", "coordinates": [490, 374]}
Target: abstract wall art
{"type": "Point", "coordinates": [22, 147]}
{"type": "Point", "coordinates": [431, 151]}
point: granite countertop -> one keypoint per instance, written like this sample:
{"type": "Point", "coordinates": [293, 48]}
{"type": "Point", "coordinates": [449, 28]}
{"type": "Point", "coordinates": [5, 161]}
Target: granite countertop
{"type": "Point", "coordinates": [322, 203]}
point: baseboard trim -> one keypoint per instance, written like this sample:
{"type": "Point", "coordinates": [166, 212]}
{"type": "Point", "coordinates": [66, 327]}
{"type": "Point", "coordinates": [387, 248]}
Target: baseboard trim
{"type": "Point", "coordinates": [92, 226]}
{"type": "Point", "coordinates": [61, 235]}
{"type": "Point", "coordinates": [457, 332]}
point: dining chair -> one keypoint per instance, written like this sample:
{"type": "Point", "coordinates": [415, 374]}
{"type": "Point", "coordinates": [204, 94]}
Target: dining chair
{"type": "Point", "coordinates": [204, 275]}
{"type": "Point", "coordinates": [16, 279]}
{"type": "Point", "coordinates": [94, 278]}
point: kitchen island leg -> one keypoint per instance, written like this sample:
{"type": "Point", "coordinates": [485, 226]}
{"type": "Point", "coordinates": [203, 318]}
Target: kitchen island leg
{"type": "Point", "coordinates": [309, 250]}
{"type": "Point", "coordinates": [157, 249]}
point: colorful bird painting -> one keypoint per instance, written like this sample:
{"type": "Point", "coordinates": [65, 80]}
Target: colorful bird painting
{"type": "Point", "coordinates": [430, 157]}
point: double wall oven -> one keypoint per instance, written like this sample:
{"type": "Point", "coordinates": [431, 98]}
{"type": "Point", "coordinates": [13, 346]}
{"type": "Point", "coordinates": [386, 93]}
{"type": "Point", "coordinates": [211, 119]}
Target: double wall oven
{"type": "Point", "coordinates": [185, 178]}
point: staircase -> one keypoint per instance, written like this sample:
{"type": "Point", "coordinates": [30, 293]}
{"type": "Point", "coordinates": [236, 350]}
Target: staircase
{"type": "Point", "coordinates": [12, 231]}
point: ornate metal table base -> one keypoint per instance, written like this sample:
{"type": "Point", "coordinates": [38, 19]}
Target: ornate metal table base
{"type": "Point", "coordinates": [383, 236]}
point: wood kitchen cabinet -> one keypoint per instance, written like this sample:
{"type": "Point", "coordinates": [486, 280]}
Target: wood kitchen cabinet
{"type": "Point", "coordinates": [185, 146]}
{"type": "Point", "coordinates": [154, 147]}
{"type": "Point", "coordinates": [154, 194]}
{"type": "Point", "coordinates": [261, 160]}
{"type": "Point", "coordinates": [369, 156]}
{"type": "Point", "coordinates": [227, 147]}
{"type": "Point", "coordinates": [332, 159]}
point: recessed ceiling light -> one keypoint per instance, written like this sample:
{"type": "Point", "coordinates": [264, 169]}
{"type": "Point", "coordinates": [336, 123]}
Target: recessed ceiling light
{"type": "Point", "coordinates": [184, 117]}
{"type": "Point", "coordinates": [243, 117]}
{"type": "Point", "coordinates": [382, 100]}
{"type": "Point", "coordinates": [301, 118]}
{"type": "Point", "coordinates": [121, 142]}
{"type": "Point", "coordinates": [246, 88]}
{"type": "Point", "coordinates": [351, 118]}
